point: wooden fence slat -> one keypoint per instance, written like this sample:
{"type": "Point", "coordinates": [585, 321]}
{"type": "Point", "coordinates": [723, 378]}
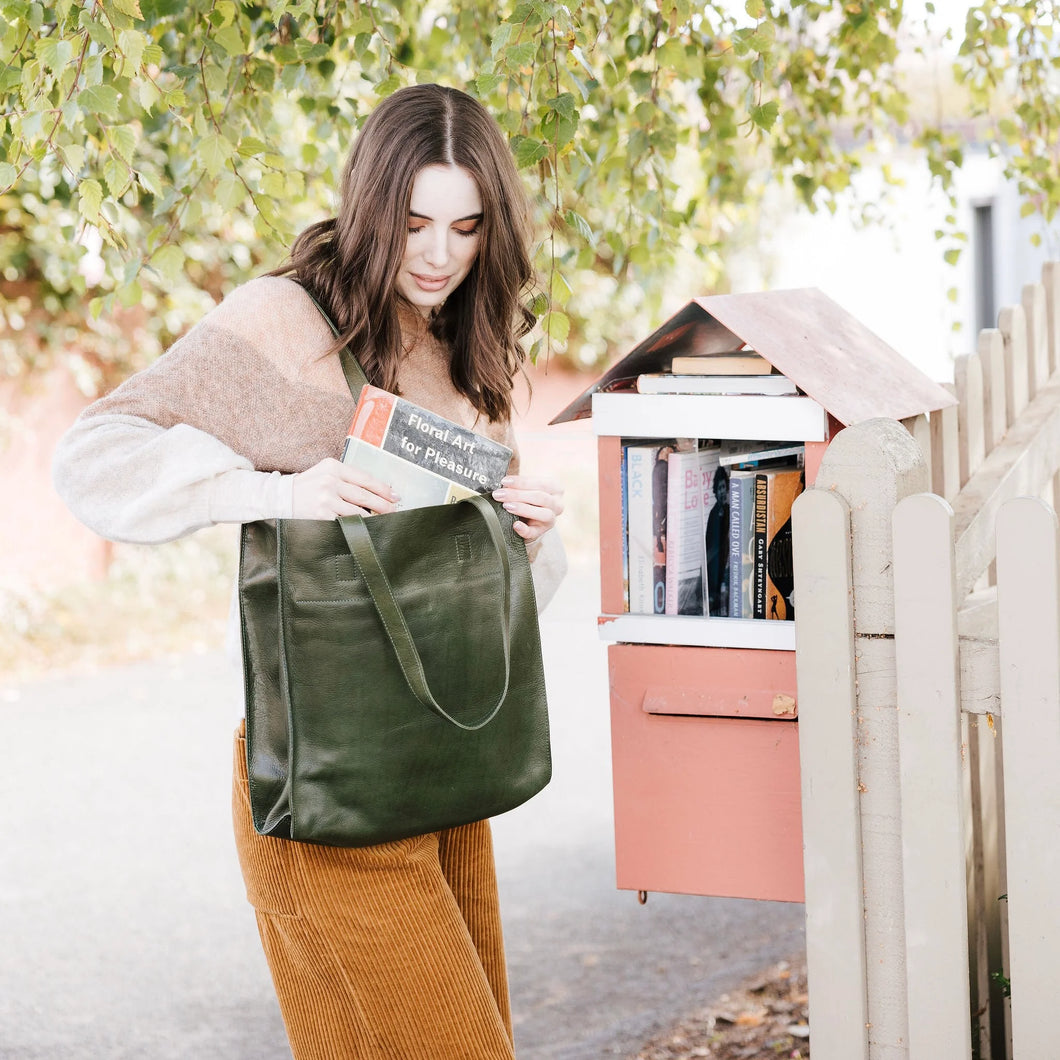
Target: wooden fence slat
{"type": "Point", "coordinates": [1051, 284]}
{"type": "Point", "coordinates": [929, 741]}
{"type": "Point", "coordinates": [945, 466]}
{"type": "Point", "coordinates": [971, 428]}
{"type": "Point", "coordinates": [1033, 300]}
{"type": "Point", "coordinates": [1013, 327]}
{"type": "Point", "coordinates": [831, 824]}
{"type": "Point", "coordinates": [991, 350]}
{"type": "Point", "coordinates": [1029, 652]}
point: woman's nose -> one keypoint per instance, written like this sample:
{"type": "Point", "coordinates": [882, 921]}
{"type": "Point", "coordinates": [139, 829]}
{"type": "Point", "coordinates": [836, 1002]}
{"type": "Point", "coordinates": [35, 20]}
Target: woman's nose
{"type": "Point", "coordinates": [438, 250]}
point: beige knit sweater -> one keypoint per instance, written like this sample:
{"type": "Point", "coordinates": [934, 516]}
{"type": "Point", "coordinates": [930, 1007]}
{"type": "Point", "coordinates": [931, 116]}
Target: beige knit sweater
{"type": "Point", "coordinates": [215, 430]}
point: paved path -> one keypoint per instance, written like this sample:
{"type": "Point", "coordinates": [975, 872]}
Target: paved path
{"type": "Point", "coordinates": [123, 928]}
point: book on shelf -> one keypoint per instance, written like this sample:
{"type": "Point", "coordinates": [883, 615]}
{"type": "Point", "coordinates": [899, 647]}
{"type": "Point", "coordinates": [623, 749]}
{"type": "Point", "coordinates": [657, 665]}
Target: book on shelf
{"type": "Point", "coordinates": [666, 383]}
{"type": "Point", "coordinates": [646, 479]}
{"type": "Point", "coordinates": [426, 458]}
{"type": "Point", "coordinates": [772, 578]}
{"type": "Point", "coordinates": [732, 362]}
{"type": "Point", "coordinates": [741, 542]}
{"type": "Point", "coordinates": [625, 527]}
{"type": "Point", "coordinates": [784, 487]}
{"type": "Point", "coordinates": [689, 497]}
{"type": "Point", "coordinates": [735, 452]}
{"type": "Point", "coordinates": [716, 541]}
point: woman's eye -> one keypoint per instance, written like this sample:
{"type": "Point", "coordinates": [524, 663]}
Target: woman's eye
{"type": "Point", "coordinates": [413, 231]}
{"type": "Point", "coordinates": [467, 231]}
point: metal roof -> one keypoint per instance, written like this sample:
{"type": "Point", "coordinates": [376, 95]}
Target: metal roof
{"type": "Point", "coordinates": [805, 335]}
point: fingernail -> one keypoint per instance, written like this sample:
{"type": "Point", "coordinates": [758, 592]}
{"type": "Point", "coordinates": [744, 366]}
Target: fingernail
{"type": "Point", "coordinates": [507, 480]}
{"type": "Point", "coordinates": [499, 495]}
{"type": "Point", "coordinates": [509, 507]}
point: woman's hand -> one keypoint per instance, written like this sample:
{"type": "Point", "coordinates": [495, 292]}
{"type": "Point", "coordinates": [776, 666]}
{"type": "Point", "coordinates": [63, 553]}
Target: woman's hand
{"type": "Point", "coordinates": [331, 488]}
{"type": "Point", "coordinates": [536, 503]}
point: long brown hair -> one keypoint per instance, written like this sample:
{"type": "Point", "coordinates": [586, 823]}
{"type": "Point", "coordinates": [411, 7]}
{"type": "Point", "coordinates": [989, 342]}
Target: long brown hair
{"type": "Point", "coordinates": [349, 263]}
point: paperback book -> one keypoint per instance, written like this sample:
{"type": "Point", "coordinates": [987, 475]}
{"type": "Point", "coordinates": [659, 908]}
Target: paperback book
{"type": "Point", "coordinates": [689, 499]}
{"type": "Point", "coordinates": [426, 458]}
{"type": "Point", "coordinates": [773, 575]}
{"type": "Point", "coordinates": [735, 362]}
{"type": "Point", "coordinates": [666, 383]}
{"type": "Point", "coordinates": [741, 542]}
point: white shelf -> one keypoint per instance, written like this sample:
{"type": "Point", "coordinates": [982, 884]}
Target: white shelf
{"type": "Point", "coordinates": [698, 632]}
{"type": "Point", "coordinates": [709, 416]}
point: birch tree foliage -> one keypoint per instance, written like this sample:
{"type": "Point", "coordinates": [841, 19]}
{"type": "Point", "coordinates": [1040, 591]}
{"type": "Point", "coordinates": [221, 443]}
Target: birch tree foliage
{"type": "Point", "coordinates": [155, 152]}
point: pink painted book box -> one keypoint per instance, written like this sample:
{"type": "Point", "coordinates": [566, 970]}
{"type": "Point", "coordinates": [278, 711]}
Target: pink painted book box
{"type": "Point", "coordinates": [704, 711]}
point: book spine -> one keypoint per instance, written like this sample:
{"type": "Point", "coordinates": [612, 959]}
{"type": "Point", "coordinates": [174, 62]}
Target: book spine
{"type": "Point", "coordinates": [758, 580]}
{"type": "Point", "coordinates": [736, 495]}
{"type": "Point", "coordinates": [639, 528]}
{"type": "Point", "coordinates": [659, 481]}
{"type": "Point", "coordinates": [746, 484]}
{"type": "Point", "coordinates": [716, 535]}
{"type": "Point", "coordinates": [625, 527]}
{"type": "Point", "coordinates": [684, 535]}
{"type": "Point", "coordinates": [780, 573]}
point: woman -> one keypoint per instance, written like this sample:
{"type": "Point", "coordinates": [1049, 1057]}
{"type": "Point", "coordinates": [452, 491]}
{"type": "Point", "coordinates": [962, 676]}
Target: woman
{"type": "Point", "coordinates": [393, 950]}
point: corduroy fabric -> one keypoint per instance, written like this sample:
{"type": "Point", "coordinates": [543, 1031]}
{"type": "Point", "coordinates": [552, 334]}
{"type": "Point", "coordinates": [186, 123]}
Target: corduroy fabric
{"type": "Point", "coordinates": [390, 952]}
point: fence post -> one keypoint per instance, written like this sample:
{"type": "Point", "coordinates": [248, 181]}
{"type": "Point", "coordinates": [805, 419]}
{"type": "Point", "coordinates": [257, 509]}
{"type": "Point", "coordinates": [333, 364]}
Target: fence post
{"type": "Point", "coordinates": [929, 737]}
{"type": "Point", "coordinates": [831, 827]}
{"type": "Point", "coordinates": [873, 465]}
{"type": "Point", "coordinates": [1028, 595]}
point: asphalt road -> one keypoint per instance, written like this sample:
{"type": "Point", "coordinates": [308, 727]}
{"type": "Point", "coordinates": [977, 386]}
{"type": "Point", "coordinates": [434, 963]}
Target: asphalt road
{"type": "Point", "coordinates": [124, 932]}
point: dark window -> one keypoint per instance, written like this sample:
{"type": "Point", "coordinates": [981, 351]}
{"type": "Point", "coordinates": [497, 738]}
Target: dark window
{"type": "Point", "coordinates": [983, 249]}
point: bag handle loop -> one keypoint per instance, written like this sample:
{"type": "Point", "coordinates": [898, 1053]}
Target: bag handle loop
{"type": "Point", "coordinates": [367, 559]}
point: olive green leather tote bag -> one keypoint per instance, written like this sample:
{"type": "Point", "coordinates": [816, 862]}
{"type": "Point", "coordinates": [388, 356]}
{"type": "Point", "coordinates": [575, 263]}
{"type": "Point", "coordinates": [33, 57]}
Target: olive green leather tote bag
{"type": "Point", "coordinates": [393, 675]}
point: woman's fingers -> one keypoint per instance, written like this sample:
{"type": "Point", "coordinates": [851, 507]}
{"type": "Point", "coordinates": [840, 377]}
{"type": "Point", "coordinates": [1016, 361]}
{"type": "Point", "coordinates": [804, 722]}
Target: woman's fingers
{"type": "Point", "coordinates": [535, 502]}
{"type": "Point", "coordinates": [331, 488]}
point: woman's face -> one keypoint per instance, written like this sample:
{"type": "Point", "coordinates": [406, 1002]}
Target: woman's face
{"type": "Point", "coordinates": [445, 221]}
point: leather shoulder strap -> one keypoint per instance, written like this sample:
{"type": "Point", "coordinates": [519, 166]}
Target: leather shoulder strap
{"type": "Point", "coordinates": [355, 377]}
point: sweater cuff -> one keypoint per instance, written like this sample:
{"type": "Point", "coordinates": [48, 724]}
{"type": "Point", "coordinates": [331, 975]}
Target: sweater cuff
{"type": "Point", "coordinates": [242, 496]}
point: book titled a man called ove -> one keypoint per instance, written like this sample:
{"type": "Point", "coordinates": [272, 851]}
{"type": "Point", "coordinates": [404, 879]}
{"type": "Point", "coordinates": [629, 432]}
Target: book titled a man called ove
{"type": "Point", "coordinates": [426, 458]}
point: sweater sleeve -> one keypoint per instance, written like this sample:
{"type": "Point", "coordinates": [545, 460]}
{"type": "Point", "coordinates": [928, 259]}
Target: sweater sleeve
{"type": "Point", "coordinates": [130, 479]}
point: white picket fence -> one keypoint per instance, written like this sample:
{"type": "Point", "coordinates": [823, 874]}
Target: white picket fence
{"type": "Point", "coordinates": [928, 655]}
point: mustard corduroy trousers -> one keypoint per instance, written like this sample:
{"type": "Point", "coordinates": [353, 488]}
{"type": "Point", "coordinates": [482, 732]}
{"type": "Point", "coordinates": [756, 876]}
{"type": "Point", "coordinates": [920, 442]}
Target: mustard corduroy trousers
{"type": "Point", "coordinates": [390, 952]}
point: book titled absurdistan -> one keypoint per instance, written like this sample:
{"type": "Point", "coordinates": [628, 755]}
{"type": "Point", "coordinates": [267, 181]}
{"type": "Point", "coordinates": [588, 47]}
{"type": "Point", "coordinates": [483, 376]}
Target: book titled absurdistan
{"type": "Point", "coordinates": [426, 458]}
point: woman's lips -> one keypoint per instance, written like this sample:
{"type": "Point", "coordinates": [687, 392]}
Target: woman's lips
{"type": "Point", "coordinates": [430, 283]}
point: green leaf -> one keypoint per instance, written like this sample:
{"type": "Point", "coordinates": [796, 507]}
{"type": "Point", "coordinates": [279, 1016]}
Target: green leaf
{"type": "Point", "coordinates": [168, 261]}
{"type": "Point", "coordinates": [124, 138]}
{"type": "Point", "coordinates": [132, 44]}
{"type": "Point", "coordinates": [765, 115]}
{"type": "Point", "coordinates": [8, 175]}
{"type": "Point", "coordinates": [529, 151]}
{"type": "Point", "coordinates": [501, 35]}
{"type": "Point", "coordinates": [214, 151]}
{"type": "Point", "coordinates": [89, 199]}
{"type": "Point", "coordinates": [755, 9]}
{"type": "Point", "coordinates": [101, 100]}
{"type": "Point", "coordinates": [952, 256]}
{"type": "Point", "coordinates": [486, 83]}
{"type": "Point", "coordinates": [231, 39]}
{"type": "Point", "coordinates": [519, 55]}
{"type": "Point", "coordinates": [126, 7]}
{"type": "Point", "coordinates": [580, 225]}
{"type": "Point", "coordinates": [557, 326]}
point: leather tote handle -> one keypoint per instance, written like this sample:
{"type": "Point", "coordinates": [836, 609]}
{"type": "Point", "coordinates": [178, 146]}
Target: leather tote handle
{"type": "Point", "coordinates": [366, 558]}
{"type": "Point", "coordinates": [356, 380]}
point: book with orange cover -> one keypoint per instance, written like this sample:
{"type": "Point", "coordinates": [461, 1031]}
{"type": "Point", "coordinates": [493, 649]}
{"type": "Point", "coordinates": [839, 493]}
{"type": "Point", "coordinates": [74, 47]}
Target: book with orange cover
{"type": "Point", "coordinates": [426, 458]}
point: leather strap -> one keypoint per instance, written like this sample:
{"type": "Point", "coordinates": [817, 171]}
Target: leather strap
{"type": "Point", "coordinates": [355, 377]}
{"type": "Point", "coordinates": [366, 558]}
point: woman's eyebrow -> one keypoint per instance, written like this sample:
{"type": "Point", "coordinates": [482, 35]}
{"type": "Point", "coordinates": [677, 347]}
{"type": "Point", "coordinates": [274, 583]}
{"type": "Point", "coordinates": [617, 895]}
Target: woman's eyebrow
{"type": "Point", "coordinates": [424, 217]}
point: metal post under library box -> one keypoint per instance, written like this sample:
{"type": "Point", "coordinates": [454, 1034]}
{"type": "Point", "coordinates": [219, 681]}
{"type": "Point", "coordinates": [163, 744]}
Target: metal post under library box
{"type": "Point", "coordinates": [704, 711]}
